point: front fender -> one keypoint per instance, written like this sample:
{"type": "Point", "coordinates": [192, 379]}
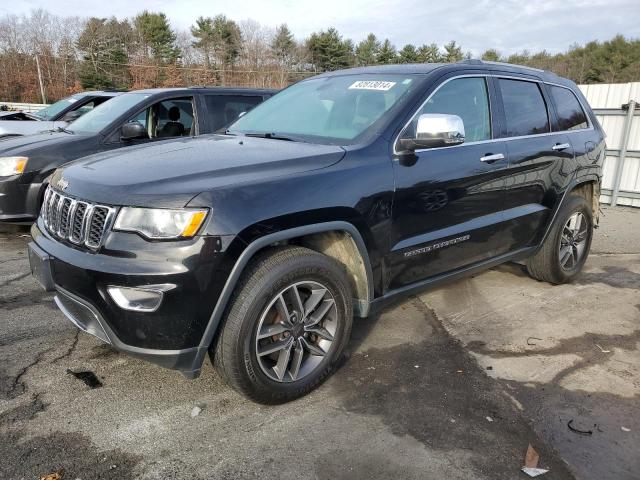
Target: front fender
{"type": "Point", "coordinates": [246, 256]}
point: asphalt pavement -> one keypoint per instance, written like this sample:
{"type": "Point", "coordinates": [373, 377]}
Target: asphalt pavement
{"type": "Point", "coordinates": [441, 385]}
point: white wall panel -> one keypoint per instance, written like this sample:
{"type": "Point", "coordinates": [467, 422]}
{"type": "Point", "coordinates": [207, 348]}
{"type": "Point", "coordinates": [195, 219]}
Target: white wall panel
{"type": "Point", "coordinates": [613, 96]}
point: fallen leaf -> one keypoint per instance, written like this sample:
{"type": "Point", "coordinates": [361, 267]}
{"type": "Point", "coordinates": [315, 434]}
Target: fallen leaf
{"type": "Point", "coordinates": [531, 458]}
{"type": "Point", "coordinates": [52, 476]}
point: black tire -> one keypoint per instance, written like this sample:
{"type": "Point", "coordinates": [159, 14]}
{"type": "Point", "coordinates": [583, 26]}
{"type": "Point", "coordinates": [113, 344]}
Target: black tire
{"type": "Point", "coordinates": [234, 353]}
{"type": "Point", "coordinates": [546, 265]}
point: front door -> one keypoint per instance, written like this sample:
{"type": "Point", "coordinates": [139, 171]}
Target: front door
{"type": "Point", "coordinates": [448, 203]}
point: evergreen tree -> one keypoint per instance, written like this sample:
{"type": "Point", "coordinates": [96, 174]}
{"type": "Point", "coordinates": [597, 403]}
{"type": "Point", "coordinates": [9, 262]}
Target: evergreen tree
{"type": "Point", "coordinates": [283, 45]}
{"type": "Point", "coordinates": [227, 40]}
{"type": "Point", "coordinates": [408, 54]}
{"type": "Point", "coordinates": [329, 51]}
{"type": "Point", "coordinates": [204, 41]}
{"type": "Point", "coordinates": [387, 53]}
{"type": "Point", "coordinates": [367, 51]}
{"type": "Point", "coordinates": [491, 55]}
{"type": "Point", "coordinates": [156, 36]}
{"type": "Point", "coordinates": [453, 53]}
{"type": "Point", "coordinates": [218, 39]}
{"type": "Point", "coordinates": [429, 53]}
{"type": "Point", "coordinates": [104, 47]}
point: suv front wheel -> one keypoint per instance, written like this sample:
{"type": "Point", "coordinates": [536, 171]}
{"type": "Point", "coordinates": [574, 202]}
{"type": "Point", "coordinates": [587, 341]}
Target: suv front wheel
{"type": "Point", "coordinates": [566, 248]}
{"type": "Point", "coordinates": [287, 325]}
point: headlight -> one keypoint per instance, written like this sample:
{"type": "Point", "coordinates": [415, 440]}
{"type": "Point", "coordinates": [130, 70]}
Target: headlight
{"type": "Point", "coordinates": [12, 165]}
{"type": "Point", "coordinates": [160, 222]}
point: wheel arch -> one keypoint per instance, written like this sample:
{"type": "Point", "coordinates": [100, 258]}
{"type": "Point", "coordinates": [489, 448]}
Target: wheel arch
{"type": "Point", "coordinates": [587, 186]}
{"type": "Point", "coordinates": [340, 240]}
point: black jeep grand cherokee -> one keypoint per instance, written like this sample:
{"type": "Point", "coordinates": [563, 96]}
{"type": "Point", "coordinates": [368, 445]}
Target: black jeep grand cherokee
{"type": "Point", "coordinates": [344, 190]}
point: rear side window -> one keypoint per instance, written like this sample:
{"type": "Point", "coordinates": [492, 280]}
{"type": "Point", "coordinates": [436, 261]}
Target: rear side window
{"type": "Point", "coordinates": [570, 113]}
{"type": "Point", "coordinates": [222, 110]}
{"type": "Point", "coordinates": [524, 108]}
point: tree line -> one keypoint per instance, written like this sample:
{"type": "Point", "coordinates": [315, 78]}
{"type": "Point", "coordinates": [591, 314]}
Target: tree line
{"type": "Point", "coordinates": [71, 54]}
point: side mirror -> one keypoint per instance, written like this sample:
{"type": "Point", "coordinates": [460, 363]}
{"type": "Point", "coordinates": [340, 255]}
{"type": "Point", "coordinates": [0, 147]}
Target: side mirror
{"type": "Point", "coordinates": [133, 131]}
{"type": "Point", "coordinates": [71, 116]}
{"type": "Point", "coordinates": [435, 130]}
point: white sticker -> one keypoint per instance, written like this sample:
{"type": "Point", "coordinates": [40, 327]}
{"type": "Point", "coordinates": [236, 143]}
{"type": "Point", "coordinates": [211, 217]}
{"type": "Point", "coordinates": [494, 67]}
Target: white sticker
{"type": "Point", "coordinates": [371, 85]}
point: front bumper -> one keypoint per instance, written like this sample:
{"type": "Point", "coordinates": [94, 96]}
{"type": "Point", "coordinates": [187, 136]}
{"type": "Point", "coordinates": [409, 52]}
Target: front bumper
{"type": "Point", "coordinates": [170, 336]}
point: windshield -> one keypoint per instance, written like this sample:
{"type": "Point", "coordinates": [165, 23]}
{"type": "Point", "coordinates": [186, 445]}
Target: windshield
{"type": "Point", "coordinates": [105, 113]}
{"type": "Point", "coordinates": [53, 110]}
{"type": "Point", "coordinates": [334, 109]}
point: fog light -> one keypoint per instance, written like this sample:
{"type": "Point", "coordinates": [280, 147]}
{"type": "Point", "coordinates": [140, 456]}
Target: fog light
{"type": "Point", "coordinates": [146, 298]}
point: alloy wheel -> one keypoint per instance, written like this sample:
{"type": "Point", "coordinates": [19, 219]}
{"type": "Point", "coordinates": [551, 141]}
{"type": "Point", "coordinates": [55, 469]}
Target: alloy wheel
{"type": "Point", "coordinates": [296, 331]}
{"type": "Point", "coordinates": [573, 241]}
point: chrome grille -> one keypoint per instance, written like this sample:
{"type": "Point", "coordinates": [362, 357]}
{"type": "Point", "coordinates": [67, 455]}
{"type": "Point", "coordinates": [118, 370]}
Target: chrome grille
{"type": "Point", "coordinates": [79, 222]}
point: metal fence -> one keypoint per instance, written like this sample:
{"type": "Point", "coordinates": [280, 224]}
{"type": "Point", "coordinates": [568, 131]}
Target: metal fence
{"type": "Point", "coordinates": [617, 109]}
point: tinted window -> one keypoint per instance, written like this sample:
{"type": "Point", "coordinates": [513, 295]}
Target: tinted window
{"type": "Point", "coordinates": [524, 108]}
{"type": "Point", "coordinates": [466, 98]}
{"type": "Point", "coordinates": [570, 113]}
{"type": "Point", "coordinates": [225, 109]}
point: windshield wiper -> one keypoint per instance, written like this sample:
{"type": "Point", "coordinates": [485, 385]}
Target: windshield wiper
{"type": "Point", "coordinates": [62, 129]}
{"type": "Point", "coordinates": [271, 135]}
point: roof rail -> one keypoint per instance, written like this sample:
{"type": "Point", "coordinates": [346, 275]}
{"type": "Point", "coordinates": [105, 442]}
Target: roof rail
{"type": "Point", "coordinates": [475, 61]}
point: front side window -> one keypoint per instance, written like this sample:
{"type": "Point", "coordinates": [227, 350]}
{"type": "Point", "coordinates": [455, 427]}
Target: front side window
{"type": "Point", "coordinates": [332, 109]}
{"type": "Point", "coordinates": [468, 99]}
{"type": "Point", "coordinates": [524, 108]}
{"type": "Point", "coordinates": [169, 118]}
{"type": "Point", "coordinates": [570, 113]}
{"type": "Point", "coordinates": [226, 109]}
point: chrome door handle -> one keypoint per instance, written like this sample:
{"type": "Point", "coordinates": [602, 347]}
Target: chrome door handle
{"type": "Point", "coordinates": [490, 158]}
{"type": "Point", "coordinates": [558, 147]}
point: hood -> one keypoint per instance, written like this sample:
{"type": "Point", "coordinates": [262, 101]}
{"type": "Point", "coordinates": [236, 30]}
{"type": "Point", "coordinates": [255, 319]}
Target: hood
{"type": "Point", "coordinates": [171, 172]}
{"type": "Point", "coordinates": [27, 127]}
{"type": "Point", "coordinates": [14, 146]}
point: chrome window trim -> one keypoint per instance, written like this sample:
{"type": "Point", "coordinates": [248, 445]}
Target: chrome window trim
{"type": "Point", "coordinates": [492, 140]}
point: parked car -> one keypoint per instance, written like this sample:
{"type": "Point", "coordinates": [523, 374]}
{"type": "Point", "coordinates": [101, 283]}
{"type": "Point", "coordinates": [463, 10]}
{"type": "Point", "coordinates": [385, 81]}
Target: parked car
{"type": "Point", "coordinates": [54, 116]}
{"type": "Point", "coordinates": [134, 118]}
{"type": "Point", "coordinates": [337, 194]}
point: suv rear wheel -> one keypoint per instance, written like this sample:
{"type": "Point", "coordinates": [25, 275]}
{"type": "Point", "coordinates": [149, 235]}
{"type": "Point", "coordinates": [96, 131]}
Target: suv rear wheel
{"type": "Point", "coordinates": [287, 325]}
{"type": "Point", "coordinates": [566, 248]}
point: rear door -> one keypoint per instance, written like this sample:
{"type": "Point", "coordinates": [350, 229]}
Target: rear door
{"type": "Point", "coordinates": [448, 203]}
{"type": "Point", "coordinates": [540, 160]}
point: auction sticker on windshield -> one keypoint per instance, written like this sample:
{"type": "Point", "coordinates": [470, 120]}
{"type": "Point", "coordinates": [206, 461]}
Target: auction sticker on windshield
{"type": "Point", "coordinates": [371, 85]}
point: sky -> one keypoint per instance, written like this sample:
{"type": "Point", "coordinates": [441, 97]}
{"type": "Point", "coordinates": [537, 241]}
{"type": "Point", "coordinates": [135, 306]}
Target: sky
{"type": "Point", "coordinates": [507, 25]}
